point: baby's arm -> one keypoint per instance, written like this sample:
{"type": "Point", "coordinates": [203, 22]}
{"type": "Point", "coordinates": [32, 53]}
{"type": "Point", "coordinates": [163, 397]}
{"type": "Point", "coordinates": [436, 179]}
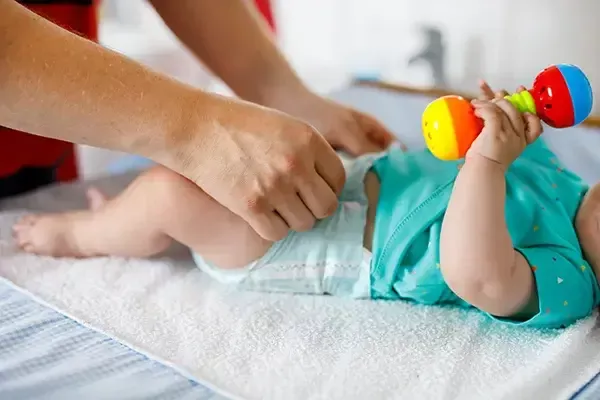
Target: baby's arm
{"type": "Point", "coordinates": [478, 260]}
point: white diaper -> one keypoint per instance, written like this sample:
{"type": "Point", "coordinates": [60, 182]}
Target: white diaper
{"type": "Point", "coordinates": [329, 259]}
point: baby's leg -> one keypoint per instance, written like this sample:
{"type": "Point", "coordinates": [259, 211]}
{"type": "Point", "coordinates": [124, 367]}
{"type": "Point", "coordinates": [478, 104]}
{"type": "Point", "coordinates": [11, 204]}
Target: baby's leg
{"type": "Point", "coordinates": [157, 207]}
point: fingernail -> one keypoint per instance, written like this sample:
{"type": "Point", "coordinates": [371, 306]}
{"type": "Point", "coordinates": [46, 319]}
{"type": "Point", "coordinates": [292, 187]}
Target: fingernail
{"type": "Point", "coordinates": [396, 145]}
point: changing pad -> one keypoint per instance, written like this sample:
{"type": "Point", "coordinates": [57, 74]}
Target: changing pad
{"type": "Point", "coordinates": [265, 346]}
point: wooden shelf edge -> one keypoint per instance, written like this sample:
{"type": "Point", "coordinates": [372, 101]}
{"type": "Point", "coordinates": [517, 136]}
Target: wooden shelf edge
{"type": "Point", "coordinates": [592, 121]}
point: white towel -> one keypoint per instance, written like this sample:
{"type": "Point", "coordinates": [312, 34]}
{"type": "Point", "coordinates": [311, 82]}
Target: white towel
{"type": "Point", "coordinates": [261, 346]}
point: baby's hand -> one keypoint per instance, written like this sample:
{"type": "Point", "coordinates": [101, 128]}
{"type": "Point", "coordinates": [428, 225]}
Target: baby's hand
{"type": "Point", "coordinates": [506, 131]}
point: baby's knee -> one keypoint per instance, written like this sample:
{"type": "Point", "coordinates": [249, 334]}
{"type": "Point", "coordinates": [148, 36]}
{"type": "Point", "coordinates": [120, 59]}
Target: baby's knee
{"type": "Point", "coordinates": [166, 188]}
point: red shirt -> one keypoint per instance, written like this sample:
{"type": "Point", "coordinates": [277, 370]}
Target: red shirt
{"type": "Point", "coordinates": [18, 149]}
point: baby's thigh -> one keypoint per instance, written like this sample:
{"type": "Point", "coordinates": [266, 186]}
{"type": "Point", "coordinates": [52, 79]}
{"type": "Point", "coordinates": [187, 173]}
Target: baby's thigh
{"type": "Point", "coordinates": [187, 214]}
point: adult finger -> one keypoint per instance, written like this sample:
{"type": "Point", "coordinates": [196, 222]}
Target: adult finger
{"type": "Point", "coordinates": [357, 142]}
{"type": "Point", "coordinates": [533, 127]}
{"type": "Point", "coordinates": [318, 188]}
{"type": "Point", "coordinates": [359, 137]}
{"type": "Point", "coordinates": [266, 222]}
{"type": "Point", "coordinates": [376, 131]}
{"type": "Point", "coordinates": [294, 211]}
{"type": "Point", "coordinates": [318, 196]}
{"type": "Point", "coordinates": [515, 118]}
{"type": "Point", "coordinates": [399, 144]}
{"type": "Point", "coordinates": [328, 165]}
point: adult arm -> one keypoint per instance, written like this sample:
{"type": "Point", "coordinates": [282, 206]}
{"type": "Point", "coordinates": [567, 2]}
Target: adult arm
{"type": "Point", "coordinates": [233, 41]}
{"type": "Point", "coordinates": [58, 85]}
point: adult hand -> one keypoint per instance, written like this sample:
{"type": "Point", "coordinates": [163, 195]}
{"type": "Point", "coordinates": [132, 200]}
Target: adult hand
{"type": "Point", "coordinates": [274, 171]}
{"type": "Point", "coordinates": [343, 127]}
{"type": "Point", "coordinates": [232, 42]}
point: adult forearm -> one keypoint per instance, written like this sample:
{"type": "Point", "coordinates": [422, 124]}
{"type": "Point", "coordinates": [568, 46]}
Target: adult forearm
{"type": "Point", "coordinates": [234, 42]}
{"type": "Point", "coordinates": [56, 84]}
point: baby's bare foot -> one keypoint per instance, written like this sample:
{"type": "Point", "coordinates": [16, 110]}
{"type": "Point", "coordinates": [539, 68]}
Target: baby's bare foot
{"type": "Point", "coordinates": [46, 234]}
{"type": "Point", "coordinates": [52, 234]}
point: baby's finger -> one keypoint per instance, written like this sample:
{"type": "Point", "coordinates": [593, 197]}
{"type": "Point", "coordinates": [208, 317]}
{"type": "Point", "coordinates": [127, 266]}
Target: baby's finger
{"type": "Point", "coordinates": [514, 116]}
{"type": "Point", "coordinates": [507, 126]}
{"type": "Point", "coordinates": [533, 127]}
{"type": "Point", "coordinates": [489, 113]}
{"type": "Point", "coordinates": [521, 89]}
{"type": "Point", "coordinates": [485, 91]}
{"type": "Point", "coordinates": [500, 94]}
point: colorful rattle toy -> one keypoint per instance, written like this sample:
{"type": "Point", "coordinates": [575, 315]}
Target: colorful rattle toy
{"type": "Point", "coordinates": [561, 96]}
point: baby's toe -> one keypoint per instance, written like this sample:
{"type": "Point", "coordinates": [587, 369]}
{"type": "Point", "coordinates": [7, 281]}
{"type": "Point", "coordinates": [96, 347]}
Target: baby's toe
{"type": "Point", "coordinates": [28, 248]}
{"type": "Point", "coordinates": [23, 237]}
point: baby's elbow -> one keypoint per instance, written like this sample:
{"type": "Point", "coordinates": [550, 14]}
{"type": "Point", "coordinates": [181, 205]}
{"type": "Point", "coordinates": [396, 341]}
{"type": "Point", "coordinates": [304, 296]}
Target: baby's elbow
{"type": "Point", "coordinates": [489, 292]}
{"type": "Point", "coordinates": [471, 286]}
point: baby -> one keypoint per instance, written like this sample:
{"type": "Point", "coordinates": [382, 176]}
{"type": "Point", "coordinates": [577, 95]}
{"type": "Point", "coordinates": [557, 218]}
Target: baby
{"type": "Point", "coordinates": [508, 231]}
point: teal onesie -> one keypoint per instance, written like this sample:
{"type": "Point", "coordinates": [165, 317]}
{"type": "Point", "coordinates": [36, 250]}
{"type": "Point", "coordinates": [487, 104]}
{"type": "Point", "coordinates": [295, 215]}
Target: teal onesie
{"type": "Point", "coordinates": [541, 204]}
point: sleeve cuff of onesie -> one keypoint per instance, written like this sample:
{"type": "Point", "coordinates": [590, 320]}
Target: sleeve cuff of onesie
{"type": "Point", "coordinates": [565, 289]}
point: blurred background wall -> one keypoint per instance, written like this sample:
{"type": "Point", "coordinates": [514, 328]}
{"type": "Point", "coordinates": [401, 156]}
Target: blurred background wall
{"type": "Point", "coordinates": [506, 41]}
{"type": "Point", "coordinates": [330, 42]}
